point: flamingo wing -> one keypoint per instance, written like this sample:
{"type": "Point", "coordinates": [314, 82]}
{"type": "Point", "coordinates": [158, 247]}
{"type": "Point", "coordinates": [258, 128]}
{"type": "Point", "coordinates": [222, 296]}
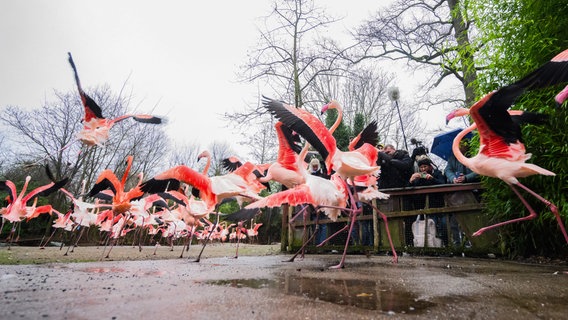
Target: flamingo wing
{"type": "Point", "coordinates": [231, 164]}
{"type": "Point", "coordinates": [45, 190]}
{"type": "Point", "coordinates": [106, 180]}
{"type": "Point", "coordinates": [170, 180]}
{"type": "Point", "coordinates": [496, 126]}
{"type": "Point", "coordinates": [305, 124]}
{"type": "Point", "coordinates": [286, 146]}
{"type": "Point", "coordinates": [294, 196]}
{"type": "Point", "coordinates": [9, 187]}
{"type": "Point", "coordinates": [144, 118]}
{"type": "Point", "coordinates": [368, 135]}
{"type": "Point", "coordinates": [92, 109]}
{"type": "Point", "coordinates": [494, 110]}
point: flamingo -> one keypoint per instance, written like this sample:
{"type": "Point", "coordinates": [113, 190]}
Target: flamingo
{"type": "Point", "coordinates": [502, 153]}
{"type": "Point", "coordinates": [285, 170]}
{"type": "Point", "coordinates": [211, 190]}
{"type": "Point", "coordinates": [252, 232]}
{"type": "Point", "coordinates": [107, 186]}
{"type": "Point", "coordinates": [18, 208]}
{"type": "Point", "coordinates": [346, 164]}
{"type": "Point", "coordinates": [95, 126]}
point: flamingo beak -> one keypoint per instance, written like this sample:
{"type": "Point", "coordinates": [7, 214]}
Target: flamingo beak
{"type": "Point", "coordinates": [450, 116]}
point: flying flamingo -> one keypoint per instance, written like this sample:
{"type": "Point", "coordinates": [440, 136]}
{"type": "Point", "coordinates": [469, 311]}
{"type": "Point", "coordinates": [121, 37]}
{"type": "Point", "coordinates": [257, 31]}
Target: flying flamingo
{"type": "Point", "coordinates": [502, 153]}
{"type": "Point", "coordinates": [95, 126]}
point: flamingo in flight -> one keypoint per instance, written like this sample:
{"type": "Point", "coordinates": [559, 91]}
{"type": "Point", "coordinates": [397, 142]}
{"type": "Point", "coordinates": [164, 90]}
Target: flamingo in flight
{"type": "Point", "coordinates": [95, 126]}
{"type": "Point", "coordinates": [502, 153]}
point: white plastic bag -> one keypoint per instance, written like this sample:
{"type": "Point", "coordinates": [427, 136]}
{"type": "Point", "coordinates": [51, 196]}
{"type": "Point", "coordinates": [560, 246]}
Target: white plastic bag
{"type": "Point", "coordinates": [418, 228]}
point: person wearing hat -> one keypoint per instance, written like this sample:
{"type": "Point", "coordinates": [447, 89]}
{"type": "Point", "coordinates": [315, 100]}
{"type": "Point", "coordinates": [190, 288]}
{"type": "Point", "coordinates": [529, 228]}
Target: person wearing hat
{"type": "Point", "coordinates": [427, 175]}
{"type": "Point", "coordinates": [430, 176]}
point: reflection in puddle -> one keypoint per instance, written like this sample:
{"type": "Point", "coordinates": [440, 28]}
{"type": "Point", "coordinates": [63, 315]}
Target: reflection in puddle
{"type": "Point", "coordinates": [364, 294]}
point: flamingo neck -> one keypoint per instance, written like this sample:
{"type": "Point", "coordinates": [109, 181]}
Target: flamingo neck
{"type": "Point", "coordinates": [207, 164]}
{"type": "Point", "coordinates": [28, 178]}
{"type": "Point", "coordinates": [456, 145]}
{"type": "Point", "coordinates": [127, 170]}
{"type": "Point", "coordinates": [301, 158]}
{"type": "Point", "coordinates": [339, 116]}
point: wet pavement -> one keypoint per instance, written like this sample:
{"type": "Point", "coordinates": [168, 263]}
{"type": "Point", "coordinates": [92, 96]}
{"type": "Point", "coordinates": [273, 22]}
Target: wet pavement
{"type": "Point", "coordinates": [264, 287]}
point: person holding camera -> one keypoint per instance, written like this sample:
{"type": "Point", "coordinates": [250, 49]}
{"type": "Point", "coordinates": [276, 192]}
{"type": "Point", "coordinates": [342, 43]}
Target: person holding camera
{"type": "Point", "coordinates": [427, 175]}
{"type": "Point", "coordinates": [430, 176]}
{"type": "Point", "coordinates": [396, 167]}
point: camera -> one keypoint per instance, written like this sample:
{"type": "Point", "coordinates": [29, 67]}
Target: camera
{"type": "Point", "coordinates": [419, 148]}
{"type": "Point", "coordinates": [423, 175]}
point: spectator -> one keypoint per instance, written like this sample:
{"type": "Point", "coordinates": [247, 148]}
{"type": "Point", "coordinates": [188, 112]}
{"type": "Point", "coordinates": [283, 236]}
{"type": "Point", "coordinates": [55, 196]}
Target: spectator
{"type": "Point", "coordinates": [430, 176]}
{"type": "Point", "coordinates": [316, 170]}
{"type": "Point", "coordinates": [456, 172]}
{"type": "Point", "coordinates": [396, 167]}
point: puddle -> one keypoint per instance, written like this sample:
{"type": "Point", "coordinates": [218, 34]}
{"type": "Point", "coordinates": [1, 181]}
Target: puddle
{"type": "Point", "coordinates": [364, 294]}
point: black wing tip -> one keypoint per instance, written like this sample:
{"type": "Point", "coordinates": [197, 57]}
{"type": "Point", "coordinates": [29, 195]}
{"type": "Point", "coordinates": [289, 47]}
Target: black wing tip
{"type": "Point", "coordinates": [243, 215]}
{"type": "Point", "coordinates": [535, 118]}
{"type": "Point", "coordinates": [155, 186]}
{"type": "Point", "coordinates": [230, 165]}
{"type": "Point", "coordinates": [152, 120]}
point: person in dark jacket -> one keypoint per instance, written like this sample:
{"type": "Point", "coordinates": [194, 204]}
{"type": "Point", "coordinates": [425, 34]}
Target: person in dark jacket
{"type": "Point", "coordinates": [396, 168]}
{"type": "Point", "coordinates": [427, 175]}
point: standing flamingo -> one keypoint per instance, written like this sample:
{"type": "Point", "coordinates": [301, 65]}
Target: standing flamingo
{"type": "Point", "coordinates": [109, 187]}
{"type": "Point", "coordinates": [95, 126]}
{"type": "Point", "coordinates": [18, 208]}
{"type": "Point", "coordinates": [502, 153]}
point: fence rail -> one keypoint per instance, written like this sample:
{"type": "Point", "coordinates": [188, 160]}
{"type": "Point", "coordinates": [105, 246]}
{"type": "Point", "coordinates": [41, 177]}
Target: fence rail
{"type": "Point", "coordinates": [455, 210]}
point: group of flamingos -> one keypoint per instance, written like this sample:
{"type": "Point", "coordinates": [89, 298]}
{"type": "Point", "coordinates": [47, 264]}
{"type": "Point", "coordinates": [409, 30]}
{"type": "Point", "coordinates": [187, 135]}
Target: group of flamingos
{"type": "Point", "coordinates": [165, 203]}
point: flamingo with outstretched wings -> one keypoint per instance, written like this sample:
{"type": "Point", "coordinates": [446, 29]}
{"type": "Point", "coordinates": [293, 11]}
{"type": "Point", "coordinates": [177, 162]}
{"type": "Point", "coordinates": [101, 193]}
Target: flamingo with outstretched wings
{"type": "Point", "coordinates": [95, 126]}
{"type": "Point", "coordinates": [502, 153]}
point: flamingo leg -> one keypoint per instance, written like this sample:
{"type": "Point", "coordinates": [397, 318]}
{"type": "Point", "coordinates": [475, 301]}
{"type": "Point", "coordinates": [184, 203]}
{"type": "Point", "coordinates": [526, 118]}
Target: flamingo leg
{"type": "Point", "coordinates": [307, 241]}
{"type": "Point", "coordinates": [237, 251]}
{"type": "Point", "coordinates": [384, 217]}
{"type": "Point", "coordinates": [352, 218]}
{"type": "Point", "coordinates": [207, 239]}
{"type": "Point", "coordinates": [298, 213]}
{"type": "Point", "coordinates": [532, 214]}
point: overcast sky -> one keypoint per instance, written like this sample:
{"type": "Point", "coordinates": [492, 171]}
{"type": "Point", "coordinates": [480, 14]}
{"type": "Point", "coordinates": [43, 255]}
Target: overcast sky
{"type": "Point", "coordinates": [179, 58]}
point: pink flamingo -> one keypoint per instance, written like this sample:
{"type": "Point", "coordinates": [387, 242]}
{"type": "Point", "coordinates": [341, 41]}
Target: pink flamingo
{"type": "Point", "coordinates": [109, 187]}
{"type": "Point", "coordinates": [18, 209]}
{"type": "Point", "coordinates": [347, 165]}
{"type": "Point", "coordinates": [502, 153]}
{"type": "Point", "coordinates": [96, 127]}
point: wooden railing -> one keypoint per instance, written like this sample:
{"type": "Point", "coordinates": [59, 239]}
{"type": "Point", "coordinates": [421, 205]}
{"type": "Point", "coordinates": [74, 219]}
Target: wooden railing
{"type": "Point", "coordinates": [458, 216]}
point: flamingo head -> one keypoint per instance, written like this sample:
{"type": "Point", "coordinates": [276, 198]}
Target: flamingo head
{"type": "Point", "coordinates": [204, 154]}
{"type": "Point", "coordinates": [561, 96]}
{"type": "Point", "coordinates": [459, 112]}
{"type": "Point", "coordinates": [331, 105]}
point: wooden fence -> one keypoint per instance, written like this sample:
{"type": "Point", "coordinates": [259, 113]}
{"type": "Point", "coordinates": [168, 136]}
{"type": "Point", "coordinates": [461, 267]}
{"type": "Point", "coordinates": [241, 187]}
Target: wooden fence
{"type": "Point", "coordinates": [456, 211]}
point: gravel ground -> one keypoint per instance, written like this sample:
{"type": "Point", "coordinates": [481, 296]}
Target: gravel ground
{"type": "Point", "coordinates": [138, 285]}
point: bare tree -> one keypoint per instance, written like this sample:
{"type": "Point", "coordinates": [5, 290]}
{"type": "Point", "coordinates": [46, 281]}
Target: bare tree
{"type": "Point", "coordinates": [427, 34]}
{"type": "Point", "coordinates": [184, 154]}
{"type": "Point", "coordinates": [43, 134]}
